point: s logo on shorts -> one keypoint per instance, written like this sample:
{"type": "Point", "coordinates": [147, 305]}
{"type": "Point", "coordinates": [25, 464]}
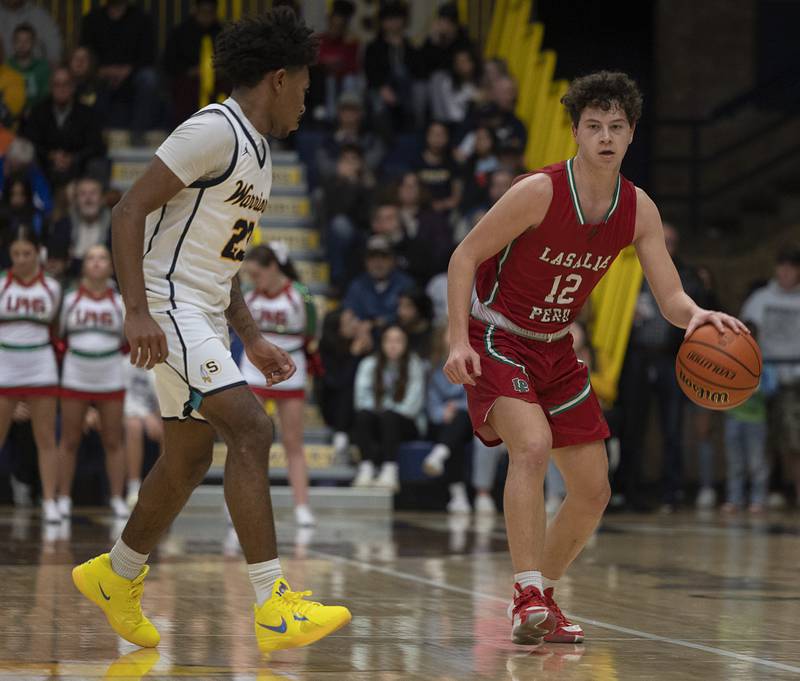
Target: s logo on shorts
{"type": "Point", "coordinates": [208, 369]}
{"type": "Point", "coordinates": [520, 386]}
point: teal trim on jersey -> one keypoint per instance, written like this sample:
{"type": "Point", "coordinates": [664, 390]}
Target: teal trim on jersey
{"type": "Point", "coordinates": [93, 355]}
{"type": "Point", "coordinates": [576, 202]}
{"type": "Point", "coordinates": [496, 286]}
{"type": "Point", "coordinates": [23, 348]}
{"type": "Point", "coordinates": [495, 354]}
{"type": "Point", "coordinates": [573, 401]}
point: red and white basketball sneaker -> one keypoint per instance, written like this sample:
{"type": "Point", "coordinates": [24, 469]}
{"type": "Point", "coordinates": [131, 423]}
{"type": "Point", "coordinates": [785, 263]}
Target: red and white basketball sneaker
{"type": "Point", "coordinates": [531, 617]}
{"type": "Point", "coordinates": [564, 631]}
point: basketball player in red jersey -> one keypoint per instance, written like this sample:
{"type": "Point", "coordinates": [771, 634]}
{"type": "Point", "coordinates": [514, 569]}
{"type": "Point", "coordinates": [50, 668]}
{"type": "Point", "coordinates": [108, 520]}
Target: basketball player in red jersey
{"type": "Point", "coordinates": [535, 258]}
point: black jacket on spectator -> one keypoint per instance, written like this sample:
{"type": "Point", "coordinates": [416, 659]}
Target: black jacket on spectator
{"type": "Point", "coordinates": [182, 50]}
{"type": "Point", "coordinates": [79, 135]}
{"type": "Point", "coordinates": [505, 124]}
{"type": "Point", "coordinates": [378, 62]}
{"type": "Point", "coordinates": [437, 57]}
{"type": "Point", "coordinates": [127, 41]}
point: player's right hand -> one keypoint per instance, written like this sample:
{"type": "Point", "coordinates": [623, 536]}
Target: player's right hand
{"type": "Point", "coordinates": [462, 359]}
{"type": "Point", "coordinates": [147, 340]}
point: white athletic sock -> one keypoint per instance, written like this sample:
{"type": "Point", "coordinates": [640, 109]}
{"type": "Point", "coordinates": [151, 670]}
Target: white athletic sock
{"type": "Point", "coordinates": [263, 577]}
{"type": "Point", "coordinates": [134, 486]}
{"type": "Point", "coordinates": [549, 583]}
{"type": "Point", "coordinates": [125, 561]}
{"type": "Point", "coordinates": [439, 453]}
{"type": "Point", "coordinates": [458, 490]}
{"type": "Point", "coordinates": [529, 578]}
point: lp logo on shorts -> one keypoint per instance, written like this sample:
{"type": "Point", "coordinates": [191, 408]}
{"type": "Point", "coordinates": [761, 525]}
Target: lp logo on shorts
{"type": "Point", "coordinates": [208, 369]}
{"type": "Point", "coordinates": [520, 386]}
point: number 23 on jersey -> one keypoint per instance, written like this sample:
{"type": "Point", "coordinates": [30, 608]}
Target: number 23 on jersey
{"type": "Point", "coordinates": [240, 238]}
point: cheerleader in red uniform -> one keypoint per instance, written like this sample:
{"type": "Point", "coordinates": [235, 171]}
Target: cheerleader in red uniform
{"type": "Point", "coordinates": [29, 302]}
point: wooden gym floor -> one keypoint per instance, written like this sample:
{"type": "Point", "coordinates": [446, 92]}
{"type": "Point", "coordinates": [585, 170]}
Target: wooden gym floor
{"type": "Point", "coordinates": [679, 597]}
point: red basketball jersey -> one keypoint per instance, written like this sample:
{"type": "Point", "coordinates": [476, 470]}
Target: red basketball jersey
{"type": "Point", "coordinates": [541, 280]}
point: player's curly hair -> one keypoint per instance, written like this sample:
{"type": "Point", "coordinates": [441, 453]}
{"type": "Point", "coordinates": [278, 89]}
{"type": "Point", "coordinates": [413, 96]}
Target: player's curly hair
{"type": "Point", "coordinates": [603, 90]}
{"type": "Point", "coordinates": [248, 49]}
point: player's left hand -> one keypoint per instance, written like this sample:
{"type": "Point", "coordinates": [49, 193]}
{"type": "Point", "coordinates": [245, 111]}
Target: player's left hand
{"type": "Point", "coordinates": [270, 360]}
{"type": "Point", "coordinates": [719, 319]}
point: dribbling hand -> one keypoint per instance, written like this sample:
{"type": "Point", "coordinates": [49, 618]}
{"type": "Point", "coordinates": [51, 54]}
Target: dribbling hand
{"type": "Point", "coordinates": [462, 359]}
{"type": "Point", "coordinates": [275, 363]}
{"type": "Point", "coordinates": [720, 320]}
{"type": "Point", "coordinates": [146, 339]}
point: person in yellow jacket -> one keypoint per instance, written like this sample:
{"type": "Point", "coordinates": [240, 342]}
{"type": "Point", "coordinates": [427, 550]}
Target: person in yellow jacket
{"type": "Point", "coordinates": [12, 92]}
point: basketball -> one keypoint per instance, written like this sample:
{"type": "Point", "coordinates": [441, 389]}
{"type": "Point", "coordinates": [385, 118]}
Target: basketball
{"type": "Point", "coordinates": [718, 370]}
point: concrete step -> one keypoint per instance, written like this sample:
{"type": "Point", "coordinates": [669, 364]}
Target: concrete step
{"type": "Point", "coordinates": [289, 210]}
{"type": "Point", "coordinates": [299, 240]}
{"type": "Point", "coordinates": [322, 463]}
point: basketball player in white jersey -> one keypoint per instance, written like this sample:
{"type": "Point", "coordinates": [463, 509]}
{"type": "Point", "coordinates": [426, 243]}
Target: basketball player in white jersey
{"type": "Point", "coordinates": [179, 238]}
{"type": "Point", "coordinates": [29, 302]}
{"type": "Point", "coordinates": [92, 373]}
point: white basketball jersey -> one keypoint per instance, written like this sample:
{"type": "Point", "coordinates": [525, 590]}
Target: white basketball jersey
{"type": "Point", "coordinates": [92, 325]}
{"type": "Point", "coordinates": [27, 310]}
{"type": "Point", "coordinates": [286, 319]}
{"type": "Point", "coordinates": [195, 244]}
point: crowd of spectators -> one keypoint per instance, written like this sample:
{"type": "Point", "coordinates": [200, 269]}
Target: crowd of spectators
{"type": "Point", "coordinates": [407, 144]}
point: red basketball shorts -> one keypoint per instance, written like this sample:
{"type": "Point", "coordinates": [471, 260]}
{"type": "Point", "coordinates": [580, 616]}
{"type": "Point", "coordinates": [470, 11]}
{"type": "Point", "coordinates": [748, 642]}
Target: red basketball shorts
{"type": "Point", "coordinates": [547, 374]}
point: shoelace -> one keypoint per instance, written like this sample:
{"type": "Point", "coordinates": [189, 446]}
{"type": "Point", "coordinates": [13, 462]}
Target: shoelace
{"type": "Point", "coordinates": [295, 600]}
{"type": "Point", "coordinates": [524, 597]}
{"type": "Point", "coordinates": [560, 617]}
{"type": "Point", "coordinates": [133, 611]}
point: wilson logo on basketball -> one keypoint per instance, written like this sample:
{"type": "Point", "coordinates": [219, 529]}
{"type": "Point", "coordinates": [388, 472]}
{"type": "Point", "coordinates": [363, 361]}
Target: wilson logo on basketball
{"type": "Point", "coordinates": [706, 363]}
{"type": "Point", "coordinates": [714, 396]}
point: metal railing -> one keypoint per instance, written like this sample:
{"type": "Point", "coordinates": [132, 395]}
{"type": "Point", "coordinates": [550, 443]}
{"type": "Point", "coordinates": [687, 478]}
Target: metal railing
{"type": "Point", "coordinates": [715, 174]}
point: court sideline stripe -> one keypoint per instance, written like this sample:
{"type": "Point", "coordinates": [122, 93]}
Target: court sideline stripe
{"type": "Point", "coordinates": [597, 623]}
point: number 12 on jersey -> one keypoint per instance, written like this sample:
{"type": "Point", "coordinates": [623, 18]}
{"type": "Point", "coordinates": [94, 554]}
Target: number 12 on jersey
{"type": "Point", "coordinates": [237, 244]}
{"type": "Point", "coordinates": [572, 283]}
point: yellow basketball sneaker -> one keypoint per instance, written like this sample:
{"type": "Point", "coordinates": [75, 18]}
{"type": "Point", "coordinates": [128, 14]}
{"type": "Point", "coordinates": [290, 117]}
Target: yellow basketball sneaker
{"type": "Point", "coordinates": [287, 620]}
{"type": "Point", "coordinates": [119, 598]}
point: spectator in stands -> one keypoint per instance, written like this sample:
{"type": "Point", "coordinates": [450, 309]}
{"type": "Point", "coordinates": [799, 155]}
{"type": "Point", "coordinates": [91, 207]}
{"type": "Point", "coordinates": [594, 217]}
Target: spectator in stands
{"type": "Point", "coordinates": [350, 131]}
{"type": "Point", "coordinates": [447, 37]}
{"type": "Point", "coordinates": [499, 182]}
{"type": "Point", "coordinates": [455, 90]}
{"type": "Point", "coordinates": [344, 212]}
{"type": "Point", "coordinates": [16, 211]}
{"type": "Point", "coordinates": [511, 156]}
{"type": "Point", "coordinates": [478, 169]}
{"type": "Point", "coordinates": [12, 92]}
{"type": "Point", "coordinates": [373, 295]}
{"type": "Point", "coordinates": [16, 12]}
{"type": "Point", "coordinates": [121, 37]}
{"type": "Point", "coordinates": [428, 232]}
{"type": "Point", "coordinates": [83, 69]}
{"type": "Point", "coordinates": [142, 419]}
{"type": "Point", "coordinates": [181, 60]}
{"type": "Point", "coordinates": [701, 418]}
{"type": "Point", "coordinates": [437, 169]}
{"type": "Point", "coordinates": [746, 444]}
{"type": "Point", "coordinates": [345, 340]}
{"type": "Point", "coordinates": [20, 160]}
{"type": "Point", "coordinates": [394, 70]}
{"type": "Point", "coordinates": [493, 69]}
{"type": "Point", "coordinates": [67, 134]}
{"type": "Point", "coordinates": [337, 69]}
{"type": "Point", "coordinates": [35, 70]}
{"type": "Point", "coordinates": [649, 369]}
{"type": "Point", "coordinates": [484, 473]}
{"type": "Point", "coordinates": [775, 310]}
{"type": "Point", "coordinates": [449, 427]}
{"type": "Point", "coordinates": [415, 317]}
{"type": "Point", "coordinates": [390, 408]}
{"type": "Point", "coordinates": [87, 224]}
{"type": "Point", "coordinates": [497, 114]}
{"type": "Point", "coordinates": [417, 256]}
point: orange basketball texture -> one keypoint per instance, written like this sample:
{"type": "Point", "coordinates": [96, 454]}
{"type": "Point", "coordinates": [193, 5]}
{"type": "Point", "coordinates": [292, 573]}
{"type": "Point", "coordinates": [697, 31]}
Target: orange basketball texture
{"type": "Point", "coordinates": [718, 371]}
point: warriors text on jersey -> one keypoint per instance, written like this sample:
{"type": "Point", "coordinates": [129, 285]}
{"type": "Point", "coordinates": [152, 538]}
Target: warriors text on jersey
{"type": "Point", "coordinates": [541, 280]}
{"type": "Point", "coordinates": [288, 320]}
{"type": "Point", "coordinates": [92, 326]}
{"type": "Point", "coordinates": [27, 310]}
{"type": "Point", "coordinates": [195, 243]}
